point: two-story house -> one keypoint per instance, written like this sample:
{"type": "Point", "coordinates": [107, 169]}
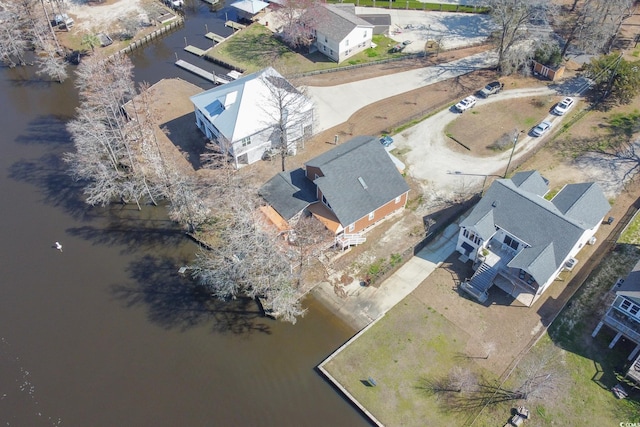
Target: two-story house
{"type": "Point", "coordinates": [623, 316]}
{"type": "Point", "coordinates": [245, 116]}
{"type": "Point", "coordinates": [520, 241]}
{"type": "Point", "coordinates": [349, 189]}
{"type": "Point", "coordinates": [341, 34]}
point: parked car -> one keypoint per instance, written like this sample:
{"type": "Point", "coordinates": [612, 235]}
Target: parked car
{"type": "Point", "coordinates": [466, 104]}
{"type": "Point", "coordinates": [64, 21]}
{"type": "Point", "coordinates": [491, 89]}
{"type": "Point", "coordinates": [386, 141]}
{"type": "Point", "coordinates": [541, 128]}
{"type": "Point", "coordinates": [563, 106]}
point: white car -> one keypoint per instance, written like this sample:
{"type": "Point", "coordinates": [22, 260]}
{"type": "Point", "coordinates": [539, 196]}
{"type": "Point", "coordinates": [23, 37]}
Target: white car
{"type": "Point", "coordinates": [466, 104]}
{"type": "Point", "coordinates": [563, 106]}
{"type": "Point", "coordinates": [541, 128]}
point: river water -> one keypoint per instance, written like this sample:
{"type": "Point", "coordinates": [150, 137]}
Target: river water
{"type": "Point", "coordinates": [106, 333]}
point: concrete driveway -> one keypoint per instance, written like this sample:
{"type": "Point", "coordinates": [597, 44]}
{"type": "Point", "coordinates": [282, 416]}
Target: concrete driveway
{"type": "Point", "coordinates": [452, 30]}
{"type": "Point", "coordinates": [335, 104]}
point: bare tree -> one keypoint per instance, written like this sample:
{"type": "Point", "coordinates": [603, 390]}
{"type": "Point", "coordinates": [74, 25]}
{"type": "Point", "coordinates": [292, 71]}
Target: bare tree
{"type": "Point", "coordinates": [300, 19]}
{"type": "Point", "coordinates": [594, 26]}
{"type": "Point", "coordinates": [511, 17]}
{"type": "Point", "coordinates": [104, 136]}
{"type": "Point", "coordinates": [288, 111]}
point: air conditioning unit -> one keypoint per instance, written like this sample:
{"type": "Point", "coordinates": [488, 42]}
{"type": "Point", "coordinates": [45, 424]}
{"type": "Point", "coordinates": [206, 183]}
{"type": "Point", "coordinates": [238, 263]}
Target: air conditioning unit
{"type": "Point", "coordinates": [570, 264]}
{"type": "Point", "coordinates": [592, 240]}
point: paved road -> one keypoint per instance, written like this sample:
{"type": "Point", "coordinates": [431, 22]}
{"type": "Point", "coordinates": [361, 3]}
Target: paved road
{"type": "Point", "coordinates": [430, 160]}
{"type": "Point", "coordinates": [335, 104]}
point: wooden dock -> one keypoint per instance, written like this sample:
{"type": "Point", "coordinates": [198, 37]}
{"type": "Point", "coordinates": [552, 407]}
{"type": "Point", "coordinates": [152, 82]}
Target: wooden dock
{"type": "Point", "coordinates": [195, 50]}
{"type": "Point", "coordinates": [234, 25]}
{"type": "Point", "coordinates": [215, 37]}
{"type": "Point", "coordinates": [200, 72]}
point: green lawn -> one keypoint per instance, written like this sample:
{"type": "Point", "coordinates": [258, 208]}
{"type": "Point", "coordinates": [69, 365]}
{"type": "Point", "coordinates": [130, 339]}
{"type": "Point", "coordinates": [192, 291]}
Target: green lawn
{"type": "Point", "coordinates": [410, 346]}
{"type": "Point", "coordinates": [413, 347]}
{"type": "Point", "coordinates": [256, 47]}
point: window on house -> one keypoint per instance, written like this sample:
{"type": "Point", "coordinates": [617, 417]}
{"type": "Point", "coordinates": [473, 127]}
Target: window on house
{"type": "Point", "coordinates": [324, 200]}
{"type": "Point", "coordinates": [371, 216]}
{"type": "Point", "coordinates": [365, 34]}
{"type": "Point", "coordinates": [629, 307]}
{"type": "Point", "coordinates": [398, 199]}
{"type": "Point", "coordinates": [346, 42]}
{"type": "Point", "coordinates": [325, 39]}
{"type": "Point", "coordinates": [245, 141]}
{"type": "Point", "coordinates": [512, 243]}
{"type": "Point", "coordinates": [352, 227]}
{"type": "Point", "coordinates": [324, 48]}
{"type": "Point", "coordinates": [331, 51]}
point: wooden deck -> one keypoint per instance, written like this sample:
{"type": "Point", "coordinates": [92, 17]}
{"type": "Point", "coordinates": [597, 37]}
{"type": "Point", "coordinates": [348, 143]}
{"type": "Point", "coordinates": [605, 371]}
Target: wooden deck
{"type": "Point", "coordinates": [195, 50]}
{"type": "Point", "coordinates": [200, 72]}
{"type": "Point", "coordinates": [234, 25]}
{"type": "Point", "coordinates": [215, 37]}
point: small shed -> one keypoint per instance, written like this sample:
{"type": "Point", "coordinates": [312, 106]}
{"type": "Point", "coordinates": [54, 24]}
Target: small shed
{"type": "Point", "coordinates": [552, 74]}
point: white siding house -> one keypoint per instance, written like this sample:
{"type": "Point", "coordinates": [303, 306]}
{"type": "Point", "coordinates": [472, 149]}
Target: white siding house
{"type": "Point", "coordinates": [520, 241]}
{"type": "Point", "coordinates": [243, 116]}
{"type": "Point", "coordinates": [341, 34]}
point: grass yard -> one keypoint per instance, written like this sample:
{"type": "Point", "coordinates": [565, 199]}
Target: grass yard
{"type": "Point", "coordinates": [255, 47]}
{"type": "Point", "coordinates": [497, 122]}
{"type": "Point", "coordinates": [401, 355]}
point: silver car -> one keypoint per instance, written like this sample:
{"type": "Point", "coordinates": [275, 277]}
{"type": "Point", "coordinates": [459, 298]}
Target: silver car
{"type": "Point", "coordinates": [541, 128]}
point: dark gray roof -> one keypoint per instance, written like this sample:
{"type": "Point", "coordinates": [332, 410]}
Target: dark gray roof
{"type": "Point", "coordinates": [630, 288]}
{"type": "Point", "coordinates": [377, 19]}
{"type": "Point", "coordinates": [485, 227]}
{"type": "Point", "coordinates": [359, 177]}
{"type": "Point", "coordinates": [549, 232]}
{"type": "Point", "coordinates": [340, 20]}
{"type": "Point", "coordinates": [539, 261]}
{"type": "Point", "coordinates": [289, 193]}
{"type": "Point", "coordinates": [531, 181]}
{"type": "Point", "coordinates": [582, 202]}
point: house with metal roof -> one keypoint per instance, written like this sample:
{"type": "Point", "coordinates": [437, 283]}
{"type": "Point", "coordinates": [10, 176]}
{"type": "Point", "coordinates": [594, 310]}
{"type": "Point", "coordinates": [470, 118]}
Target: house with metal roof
{"type": "Point", "coordinates": [245, 116]}
{"type": "Point", "coordinates": [248, 9]}
{"type": "Point", "coordinates": [353, 186]}
{"type": "Point", "coordinates": [520, 241]}
{"type": "Point", "coordinates": [341, 34]}
{"type": "Point", "coordinates": [623, 317]}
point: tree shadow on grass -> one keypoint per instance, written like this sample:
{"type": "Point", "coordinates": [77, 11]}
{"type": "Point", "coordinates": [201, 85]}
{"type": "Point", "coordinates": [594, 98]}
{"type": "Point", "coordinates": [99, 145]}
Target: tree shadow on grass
{"type": "Point", "coordinates": [173, 302]}
{"type": "Point", "coordinates": [261, 49]}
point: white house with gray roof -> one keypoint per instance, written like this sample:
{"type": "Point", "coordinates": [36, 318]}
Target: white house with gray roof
{"type": "Point", "coordinates": [520, 241]}
{"type": "Point", "coordinates": [341, 34]}
{"type": "Point", "coordinates": [623, 317]}
{"type": "Point", "coordinates": [243, 116]}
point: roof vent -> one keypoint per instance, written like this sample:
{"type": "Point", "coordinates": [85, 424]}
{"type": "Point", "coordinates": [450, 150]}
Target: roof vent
{"type": "Point", "coordinates": [495, 203]}
{"type": "Point", "coordinates": [361, 181]}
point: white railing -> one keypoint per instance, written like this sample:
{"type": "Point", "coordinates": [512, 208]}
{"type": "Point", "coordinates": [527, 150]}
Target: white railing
{"type": "Point", "coordinates": [345, 240]}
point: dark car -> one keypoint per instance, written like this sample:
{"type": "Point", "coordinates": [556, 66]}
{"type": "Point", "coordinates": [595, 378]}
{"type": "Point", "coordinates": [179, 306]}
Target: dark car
{"type": "Point", "coordinates": [386, 141]}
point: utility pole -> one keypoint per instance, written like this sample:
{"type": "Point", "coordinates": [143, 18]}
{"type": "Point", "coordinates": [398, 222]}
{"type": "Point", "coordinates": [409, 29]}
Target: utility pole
{"type": "Point", "coordinates": [515, 141]}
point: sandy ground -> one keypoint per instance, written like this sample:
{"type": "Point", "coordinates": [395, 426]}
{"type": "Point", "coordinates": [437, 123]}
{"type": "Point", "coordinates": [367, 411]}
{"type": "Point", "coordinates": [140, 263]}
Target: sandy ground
{"type": "Point", "coordinates": [99, 16]}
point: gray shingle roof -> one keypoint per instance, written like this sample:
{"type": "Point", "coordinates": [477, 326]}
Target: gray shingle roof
{"type": "Point", "coordinates": [582, 202]}
{"type": "Point", "coordinates": [340, 20]}
{"type": "Point", "coordinates": [531, 181]}
{"type": "Point", "coordinates": [359, 177]}
{"type": "Point", "coordinates": [550, 232]}
{"type": "Point", "coordinates": [630, 288]}
{"type": "Point", "coordinates": [289, 192]}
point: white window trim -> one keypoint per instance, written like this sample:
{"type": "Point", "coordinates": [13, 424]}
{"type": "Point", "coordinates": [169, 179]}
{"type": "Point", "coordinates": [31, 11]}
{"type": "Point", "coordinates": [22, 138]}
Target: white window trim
{"type": "Point", "coordinates": [371, 215]}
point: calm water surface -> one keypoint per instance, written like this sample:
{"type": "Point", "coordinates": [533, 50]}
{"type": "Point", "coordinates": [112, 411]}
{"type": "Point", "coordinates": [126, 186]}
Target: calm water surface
{"type": "Point", "coordinates": [106, 333]}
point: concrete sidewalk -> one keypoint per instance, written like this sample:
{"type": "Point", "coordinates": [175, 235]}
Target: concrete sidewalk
{"type": "Point", "coordinates": [335, 104]}
{"type": "Point", "coordinates": [365, 304]}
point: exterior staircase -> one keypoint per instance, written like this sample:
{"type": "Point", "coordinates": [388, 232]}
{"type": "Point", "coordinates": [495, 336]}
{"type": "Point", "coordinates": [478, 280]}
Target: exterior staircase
{"type": "Point", "coordinates": [480, 282]}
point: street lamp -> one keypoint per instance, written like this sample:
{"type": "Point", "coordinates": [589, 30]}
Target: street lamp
{"type": "Point", "coordinates": [515, 141]}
